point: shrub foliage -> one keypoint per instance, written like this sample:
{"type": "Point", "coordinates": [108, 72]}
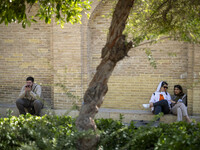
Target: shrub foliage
{"type": "Point", "coordinates": [52, 132]}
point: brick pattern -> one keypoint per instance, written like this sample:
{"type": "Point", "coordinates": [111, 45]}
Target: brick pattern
{"type": "Point", "coordinates": [196, 81]}
{"type": "Point", "coordinates": [65, 60]}
{"type": "Point", "coordinates": [134, 80]}
{"type": "Point", "coordinates": [67, 64]}
{"type": "Point", "coordinates": [190, 77]}
{"type": "Point", "coordinates": [24, 52]}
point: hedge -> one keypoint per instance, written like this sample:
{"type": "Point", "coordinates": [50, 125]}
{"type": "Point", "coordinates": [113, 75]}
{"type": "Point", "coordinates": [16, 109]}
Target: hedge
{"type": "Point", "coordinates": [52, 132]}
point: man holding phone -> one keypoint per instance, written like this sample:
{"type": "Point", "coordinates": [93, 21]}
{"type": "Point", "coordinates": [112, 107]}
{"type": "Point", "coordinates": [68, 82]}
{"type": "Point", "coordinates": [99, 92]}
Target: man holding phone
{"type": "Point", "coordinates": [29, 98]}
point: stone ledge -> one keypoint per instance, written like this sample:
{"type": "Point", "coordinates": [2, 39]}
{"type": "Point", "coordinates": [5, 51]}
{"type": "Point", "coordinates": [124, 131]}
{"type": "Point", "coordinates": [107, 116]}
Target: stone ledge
{"type": "Point", "coordinates": [128, 115]}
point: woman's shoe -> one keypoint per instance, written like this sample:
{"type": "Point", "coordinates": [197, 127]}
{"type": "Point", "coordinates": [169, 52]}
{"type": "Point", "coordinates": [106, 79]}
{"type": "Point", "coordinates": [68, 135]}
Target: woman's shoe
{"type": "Point", "coordinates": [146, 106]}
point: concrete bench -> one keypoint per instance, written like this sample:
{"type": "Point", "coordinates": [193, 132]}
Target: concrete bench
{"type": "Point", "coordinates": [130, 115]}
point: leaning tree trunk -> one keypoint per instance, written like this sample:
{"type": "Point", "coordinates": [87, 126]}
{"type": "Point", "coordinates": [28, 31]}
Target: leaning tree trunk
{"type": "Point", "coordinates": [116, 49]}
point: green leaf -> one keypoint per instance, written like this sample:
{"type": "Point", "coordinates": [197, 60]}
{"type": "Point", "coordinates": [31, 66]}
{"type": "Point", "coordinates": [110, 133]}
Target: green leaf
{"type": "Point", "coordinates": [23, 24]}
{"type": "Point", "coordinates": [33, 20]}
{"type": "Point", "coordinates": [46, 20]}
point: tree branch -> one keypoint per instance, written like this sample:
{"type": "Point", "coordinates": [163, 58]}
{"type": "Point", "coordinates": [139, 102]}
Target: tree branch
{"type": "Point", "coordinates": [148, 42]}
{"type": "Point", "coordinates": [159, 7]}
{"type": "Point", "coordinates": [120, 15]}
{"type": "Point", "coordinates": [118, 22]}
{"type": "Point", "coordinates": [29, 9]}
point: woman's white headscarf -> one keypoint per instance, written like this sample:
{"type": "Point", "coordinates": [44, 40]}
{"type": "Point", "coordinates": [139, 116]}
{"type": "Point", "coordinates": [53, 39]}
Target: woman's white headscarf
{"type": "Point", "coordinates": [159, 86]}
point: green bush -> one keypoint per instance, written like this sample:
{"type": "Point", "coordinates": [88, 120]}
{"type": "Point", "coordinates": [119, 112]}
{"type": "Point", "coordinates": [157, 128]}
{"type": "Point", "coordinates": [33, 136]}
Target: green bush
{"type": "Point", "coordinates": [174, 136]}
{"type": "Point", "coordinates": [47, 132]}
{"type": "Point", "coordinates": [113, 134]}
{"type": "Point", "coordinates": [179, 136]}
{"type": "Point", "coordinates": [59, 132]}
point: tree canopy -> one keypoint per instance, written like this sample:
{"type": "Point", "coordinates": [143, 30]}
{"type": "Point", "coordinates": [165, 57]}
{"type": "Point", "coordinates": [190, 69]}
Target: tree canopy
{"type": "Point", "coordinates": [63, 11]}
{"type": "Point", "coordinates": [149, 20]}
{"type": "Point", "coordinates": [176, 19]}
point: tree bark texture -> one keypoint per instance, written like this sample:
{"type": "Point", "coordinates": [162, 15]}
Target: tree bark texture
{"type": "Point", "coordinates": [115, 49]}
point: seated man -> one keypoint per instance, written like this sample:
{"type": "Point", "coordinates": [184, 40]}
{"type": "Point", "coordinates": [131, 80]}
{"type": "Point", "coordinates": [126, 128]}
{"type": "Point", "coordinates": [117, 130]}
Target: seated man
{"type": "Point", "coordinates": [29, 98]}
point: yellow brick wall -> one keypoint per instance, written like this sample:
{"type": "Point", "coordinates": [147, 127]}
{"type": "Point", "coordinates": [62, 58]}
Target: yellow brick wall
{"type": "Point", "coordinates": [67, 64]}
{"type": "Point", "coordinates": [196, 80]}
{"type": "Point", "coordinates": [134, 80]}
{"type": "Point", "coordinates": [24, 52]}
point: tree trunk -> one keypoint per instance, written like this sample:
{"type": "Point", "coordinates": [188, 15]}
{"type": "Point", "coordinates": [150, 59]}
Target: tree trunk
{"type": "Point", "coordinates": [116, 49]}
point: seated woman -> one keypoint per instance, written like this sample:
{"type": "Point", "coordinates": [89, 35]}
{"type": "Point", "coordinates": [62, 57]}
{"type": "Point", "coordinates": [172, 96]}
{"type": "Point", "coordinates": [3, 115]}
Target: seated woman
{"type": "Point", "coordinates": [179, 103]}
{"type": "Point", "coordinates": [161, 99]}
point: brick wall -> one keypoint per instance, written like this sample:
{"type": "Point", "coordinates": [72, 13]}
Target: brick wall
{"type": "Point", "coordinates": [24, 52]}
{"type": "Point", "coordinates": [139, 80]}
{"type": "Point", "coordinates": [196, 80]}
{"type": "Point", "coordinates": [67, 65]}
{"type": "Point", "coordinates": [134, 80]}
{"type": "Point", "coordinates": [65, 60]}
